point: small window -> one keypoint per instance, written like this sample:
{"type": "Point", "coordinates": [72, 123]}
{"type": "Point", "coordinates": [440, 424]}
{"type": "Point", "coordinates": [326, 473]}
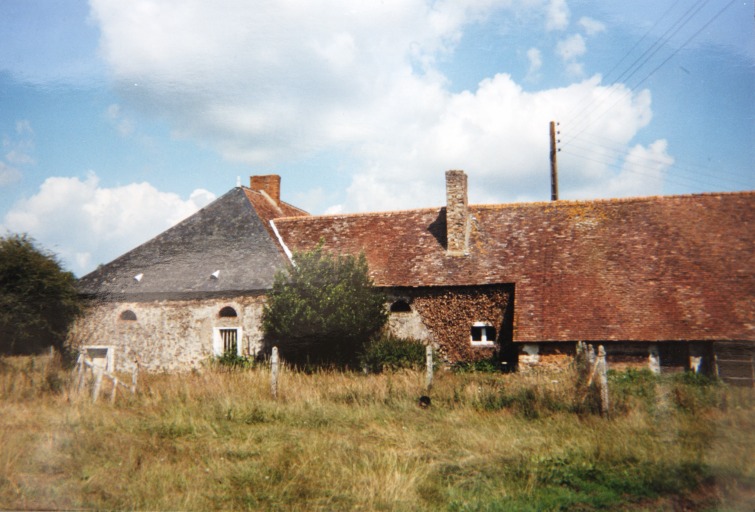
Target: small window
{"type": "Point", "coordinates": [227, 312]}
{"type": "Point", "coordinates": [482, 334]}
{"type": "Point", "coordinates": [128, 316]}
{"type": "Point", "coordinates": [401, 306]}
{"type": "Point", "coordinates": [227, 341]}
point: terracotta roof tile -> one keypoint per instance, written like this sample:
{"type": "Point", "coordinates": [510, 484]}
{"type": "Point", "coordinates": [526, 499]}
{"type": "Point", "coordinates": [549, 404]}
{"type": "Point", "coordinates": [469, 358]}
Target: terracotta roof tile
{"type": "Point", "coordinates": [656, 268]}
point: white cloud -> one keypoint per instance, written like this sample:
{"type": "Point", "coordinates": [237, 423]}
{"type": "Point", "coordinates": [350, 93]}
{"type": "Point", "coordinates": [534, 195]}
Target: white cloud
{"type": "Point", "coordinates": [591, 26]}
{"type": "Point", "coordinates": [123, 124]}
{"type": "Point", "coordinates": [8, 174]}
{"type": "Point", "coordinates": [87, 224]}
{"type": "Point", "coordinates": [274, 81]}
{"type": "Point", "coordinates": [571, 47]}
{"type": "Point", "coordinates": [535, 58]}
{"type": "Point", "coordinates": [557, 15]}
{"type": "Point", "coordinates": [18, 150]}
{"type": "Point", "coordinates": [641, 172]}
{"type": "Point", "coordinates": [23, 127]}
{"type": "Point", "coordinates": [499, 135]}
{"type": "Point", "coordinates": [264, 81]}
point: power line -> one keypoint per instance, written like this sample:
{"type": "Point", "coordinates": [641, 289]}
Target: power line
{"type": "Point", "coordinates": [655, 167]}
{"type": "Point", "coordinates": [620, 148]}
{"type": "Point", "coordinates": [632, 89]}
{"type": "Point", "coordinates": [571, 114]}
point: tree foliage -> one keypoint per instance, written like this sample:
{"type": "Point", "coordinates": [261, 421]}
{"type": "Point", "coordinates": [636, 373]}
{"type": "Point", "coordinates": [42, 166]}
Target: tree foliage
{"type": "Point", "coordinates": [38, 299]}
{"type": "Point", "coordinates": [324, 308]}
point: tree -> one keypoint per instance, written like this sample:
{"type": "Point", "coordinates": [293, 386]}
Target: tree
{"type": "Point", "coordinates": [324, 308]}
{"type": "Point", "coordinates": [38, 299]}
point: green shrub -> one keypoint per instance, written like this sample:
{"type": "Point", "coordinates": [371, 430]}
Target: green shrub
{"type": "Point", "coordinates": [693, 392]}
{"type": "Point", "coordinates": [490, 365]}
{"type": "Point", "coordinates": [391, 353]}
{"type": "Point", "coordinates": [233, 361]}
{"type": "Point", "coordinates": [632, 387]}
{"type": "Point", "coordinates": [324, 308]}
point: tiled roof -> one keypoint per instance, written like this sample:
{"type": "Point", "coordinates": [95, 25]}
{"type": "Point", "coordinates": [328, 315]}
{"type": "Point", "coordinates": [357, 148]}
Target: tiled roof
{"type": "Point", "coordinates": [230, 235]}
{"type": "Point", "coordinates": [658, 268]}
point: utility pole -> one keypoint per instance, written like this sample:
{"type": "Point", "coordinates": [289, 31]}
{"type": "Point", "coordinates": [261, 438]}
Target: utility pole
{"type": "Point", "coordinates": [554, 163]}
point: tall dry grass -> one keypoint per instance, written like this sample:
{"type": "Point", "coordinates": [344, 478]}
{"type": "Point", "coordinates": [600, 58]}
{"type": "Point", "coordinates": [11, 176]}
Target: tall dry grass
{"type": "Point", "coordinates": [339, 441]}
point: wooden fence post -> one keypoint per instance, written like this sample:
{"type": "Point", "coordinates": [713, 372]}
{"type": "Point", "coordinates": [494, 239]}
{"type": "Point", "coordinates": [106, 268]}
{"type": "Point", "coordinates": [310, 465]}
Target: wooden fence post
{"type": "Point", "coordinates": [429, 363]}
{"type": "Point", "coordinates": [80, 368]}
{"type": "Point", "coordinates": [274, 373]}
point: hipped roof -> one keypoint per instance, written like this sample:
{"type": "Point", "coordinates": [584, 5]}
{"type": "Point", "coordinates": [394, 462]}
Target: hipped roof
{"type": "Point", "coordinates": [652, 269]}
{"type": "Point", "coordinates": [230, 237]}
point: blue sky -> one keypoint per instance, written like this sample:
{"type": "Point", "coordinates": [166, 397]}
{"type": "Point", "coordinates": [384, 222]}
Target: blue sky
{"type": "Point", "coordinates": [117, 119]}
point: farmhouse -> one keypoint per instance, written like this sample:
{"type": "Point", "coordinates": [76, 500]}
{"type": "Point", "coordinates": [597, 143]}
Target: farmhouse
{"type": "Point", "coordinates": [192, 292]}
{"type": "Point", "coordinates": [664, 282]}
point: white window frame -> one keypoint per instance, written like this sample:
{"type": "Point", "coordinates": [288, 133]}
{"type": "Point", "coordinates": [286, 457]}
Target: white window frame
{"type": "Point", "coordinates": [217, 340]}
{"type": "Point", "coordinates": [484, 342]}
{"type": "Point", "coordinates": [109, 355]}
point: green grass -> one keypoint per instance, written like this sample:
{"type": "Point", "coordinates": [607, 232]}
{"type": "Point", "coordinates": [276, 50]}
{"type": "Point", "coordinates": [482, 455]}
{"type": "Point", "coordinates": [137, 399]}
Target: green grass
{"type": "Point", "coordinates": [344, 441]}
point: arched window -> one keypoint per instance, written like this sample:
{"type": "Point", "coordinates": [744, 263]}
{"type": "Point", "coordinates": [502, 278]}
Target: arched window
{"type": "Point", "coordinates": [401, 306]}
{"type": "Point", "coordinates": [228, 312]}
{"type": "Point", "coordinates": [128, 315]}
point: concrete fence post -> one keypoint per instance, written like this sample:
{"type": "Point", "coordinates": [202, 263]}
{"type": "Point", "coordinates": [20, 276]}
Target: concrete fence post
{"type": "Point", "coordinates": [429, 363]}
{"type": "Point", "coordinates": [274, 373]}
{"type": "Point", "coordinates": [603, 381]}
{"type": "Point", "coordinates": [115, 390]}
{"type": "Point", "coordinates": [135, 376]}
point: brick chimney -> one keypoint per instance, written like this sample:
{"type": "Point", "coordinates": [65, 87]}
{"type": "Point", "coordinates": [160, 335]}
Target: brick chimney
{"type": "Point", "coordinates": [457, 216]}
{"type": "Point", "coordinates": [269, 184]}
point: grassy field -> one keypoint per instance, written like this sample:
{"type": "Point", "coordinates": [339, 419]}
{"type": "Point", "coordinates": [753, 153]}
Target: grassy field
{"type": "Point", "coordinates": [332, 441]}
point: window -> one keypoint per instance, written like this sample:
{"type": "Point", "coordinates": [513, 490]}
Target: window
{"type": "Point", "coordinates": [227, 312]}
{"type": "Point", "coordinates": [401, 306]}
{"type": "Point", "coordinates": [226, 340]}
{"type": "Point", "coordinates": [128, 316]}
{"type": "Point", "coordinates": [482, 335]}
{"type": "Point", "coordinates": [101, 356]}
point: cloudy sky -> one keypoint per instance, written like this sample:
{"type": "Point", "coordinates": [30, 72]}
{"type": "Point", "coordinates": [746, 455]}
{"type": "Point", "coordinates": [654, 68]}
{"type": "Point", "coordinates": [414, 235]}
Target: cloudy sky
{"type": "Point", "coordinates": [119, 118]}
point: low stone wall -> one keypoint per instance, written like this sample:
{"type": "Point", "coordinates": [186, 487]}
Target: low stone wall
{"type": "Point", "coordinates": [167, 335]}
{"type": "Point", "coordinates": [668, 357]}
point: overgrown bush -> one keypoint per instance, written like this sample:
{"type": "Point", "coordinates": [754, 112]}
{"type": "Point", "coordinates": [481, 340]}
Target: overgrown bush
{"type": "Point", "coordinates": [38, 299]}
{"type": "Point", "coordinates": [391, 353]}
{"type": "Point", "coordinates": [631, 388]}
{"type": "Point", "coordinates": [693, 392]}
{"type": "Point", "coordinates": [324, 308]}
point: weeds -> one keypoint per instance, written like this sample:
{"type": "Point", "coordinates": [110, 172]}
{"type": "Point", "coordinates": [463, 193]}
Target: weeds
{"type": "Point", "coordinates": [215, 439]}
{"type": "Point", "coordinates": [390, 353]}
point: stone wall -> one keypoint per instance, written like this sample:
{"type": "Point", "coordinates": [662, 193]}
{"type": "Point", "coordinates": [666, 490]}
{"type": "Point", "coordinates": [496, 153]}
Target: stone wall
{"type": "Point", "coordinates": [169, 335]}
{"type": "Point", "coordinates": [658, 357]}
{"type": "Point", "coordinates": [444, 316]}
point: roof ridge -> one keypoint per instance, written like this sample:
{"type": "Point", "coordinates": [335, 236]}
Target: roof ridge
{"type": "Point", "coordinates": [385, 213]}
{"type": "Point", "coordinates": [613, 200]}
{"type": "Point", "coordinates": [560, 202]}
